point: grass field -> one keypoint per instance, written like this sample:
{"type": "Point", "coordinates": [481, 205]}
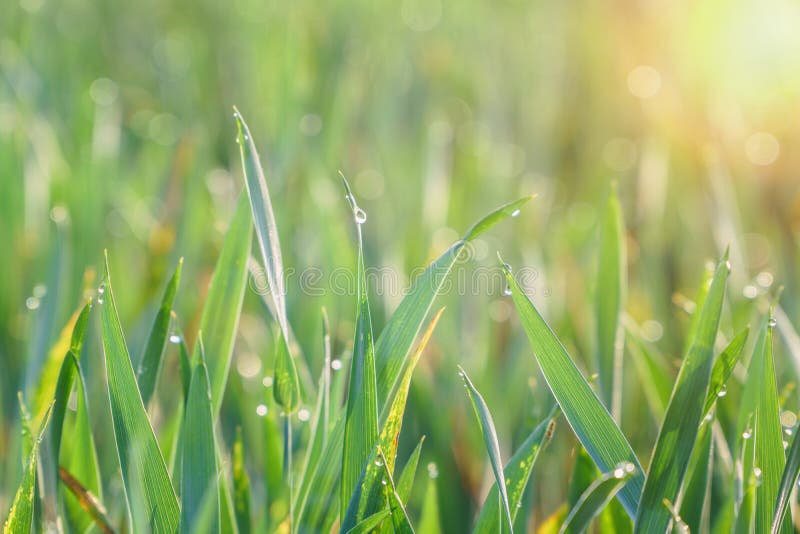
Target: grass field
{"type": "Point", "coordinates": [419, 266]}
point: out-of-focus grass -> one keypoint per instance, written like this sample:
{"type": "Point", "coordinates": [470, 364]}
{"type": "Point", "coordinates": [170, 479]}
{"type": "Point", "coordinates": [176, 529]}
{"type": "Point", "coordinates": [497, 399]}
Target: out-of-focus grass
{"type": "Point", "coordinates": [115, 132]}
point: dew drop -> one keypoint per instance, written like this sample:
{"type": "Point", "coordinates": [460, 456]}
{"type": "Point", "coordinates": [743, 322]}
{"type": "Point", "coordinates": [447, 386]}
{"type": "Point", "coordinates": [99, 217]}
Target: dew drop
{"type": "Point", "coordinates": [360, 215]}
{"type": "Point", "coordinates": [379, 462]}
{"type": "Point", "coordinates": [772, 322]}
{"type": "Point", "coordinates": [261, 410]}
{"type": "Point", "coordinates": [433, 470]}
{"type": "Point", "coordinates": [32, 303]}
{"type": "Point", "coordinates": [175, 338]}
{"type": "Point", "coordinates": [515, 213]}
{"type": "Point", "coordinates": [723, 391]}
{"type": "Point", "coordinates": [507, 291]}
{"type": "Point", "coordinates": [728, 265]}
{"type": "Point", "coordinates": [101, 289]}
{"type": "Point", "coordinates": [336, 364]}
{"type": "Point", "coordinates": [383, 481]}
{"type": "Point", "coordinates": [99, 300]}
{"type": "Point", "coordinates": [267, 381]}
{"type": "Point", "coordinates": [747, 434]}
{"type": "Point", "coordinates": [303, 414]}
{"type": "Point", "coordinates": [758, 475]}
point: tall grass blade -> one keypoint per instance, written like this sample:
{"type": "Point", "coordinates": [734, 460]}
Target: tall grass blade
{"type": "Point", "coordinates": [400, 519]}
{"type": "Point", "coordinates": [370, 523]}
{"type": "Point", "coordinates": [150, 362]}
{"type": "Point", "coordinates": [696, 495]}
{"type": "Point", "coordinates": [144, 473]}
{"type": "Point", "coordinates": [767, 434]}
{"type": "Point", "coordinates": [517, 473]}
{"type": "Point", "coordinates": [429, 517]}
{"type": "Point", "coordinates": [684, 414]}
{"type": "Point", "coordinates": [584, 412]}
{"type": "Point", "coordinates": [223, 305]}
{"type": "Point", "coordinates": [609, 301]}
{"type": "Point", "coordinates": [199, 490]}
{"type": "Point", "coordinates": [596, 498]}
{"type": "Point", "coordinates": [492, 445]}
{"type": "Point", "coordinates": [788, 481]}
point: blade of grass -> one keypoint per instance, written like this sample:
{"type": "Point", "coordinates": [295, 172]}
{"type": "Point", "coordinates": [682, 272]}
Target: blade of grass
{"type": "Point", "coordinates": [429, 520]}
{"type": "Point", "coordinates": [361, 420]}
{"type": "Point", "coordinates": [596, 497]}
{"type": "Point", "coordinates": [150, 362]}
{"type": "Point", "coordinates": [223, 305]}
{"type": "Point", "coordinates": [584, 412]}
{"type": "Point", "coordinates": [20, 517]}
{"type": "Point", "coordinates": [684, 414]}
{"type": "Point", "coordinates": [492, 445]}
{"type": "Point", "coordinates": [199, 490]}
{"type": "Point", "coordinates": [517, 473]}
{"type": "Point", "coordinates": [370, 523]}
{"type": "Point", "coordinates": [767, 433]}
{"type": "Point", "coordinates": [406, 482]}
{"type": "Point", "coordinates": [723, 368]}
{"type": "Point", "coordinates": [788, 481]}
{"type": "Point", "coordinates": [144, 473]}
{"type": "Point", "coordinates": [609, 301]}
{"type": "Point", "coordinates": [694, 500]}
{"type": "Point", "coordinates": [400, 519]}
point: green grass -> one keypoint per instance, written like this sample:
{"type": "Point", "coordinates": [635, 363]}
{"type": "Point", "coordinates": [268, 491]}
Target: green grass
{"type": "Point", "coordinates": [245, 368]}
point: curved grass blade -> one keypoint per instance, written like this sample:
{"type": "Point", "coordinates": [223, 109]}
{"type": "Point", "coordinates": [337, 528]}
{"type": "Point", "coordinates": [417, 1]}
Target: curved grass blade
{"type": "Point", "coordinates": [609, 301]}
{"type": "Point", "coordinates": [20, 517]}
{"type": "Point", "coordinates": [723, 368]}
{"type": "Point", "coordinates": [368, 495]}
{"type": "Point", "coordinates": [517, 473]}
{"type": "Point", "coordinates": [144, 473]}
{"type": "Point", "coordinates": [370, 523]}
{"type": "Point", "coordinates": [595, 499]}
{"type": "Point", "coordinates": [684, 414]}
{"type": "Point", "coordinates": [241, 486]}
{"type": "Point", "coordinates": [150, 363]}
{"type": "Point", "coordinates": [695, 497]}
{"type": "Point", "coordinates": [199, 489]}
{"type": "Point", "coordinates": [396, 339]}
{"type": "Point", "coordinates": [223, 304]}
{"type": "Point", "coordinates": [88, 501]}
{"type": "Point", "coordinates": [406, 481]}
{"type": "Point", "coordinates": [584, 412]}
{"type": "Point", "coordinates": [361, 416]}
{"type": "Point", "coordinates": [492, 446]}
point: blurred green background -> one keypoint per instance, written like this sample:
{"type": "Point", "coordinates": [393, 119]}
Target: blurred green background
{"type": "Point", "coordinates": [116, 132]}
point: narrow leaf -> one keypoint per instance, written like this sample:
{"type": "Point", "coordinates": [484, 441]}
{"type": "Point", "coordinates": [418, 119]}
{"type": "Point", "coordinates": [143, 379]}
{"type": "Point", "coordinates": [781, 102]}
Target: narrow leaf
{"type": "Point", "coordinates": [684, 414]}
{"type": "Point", "coordinates": [723, 368]}
{"type": "Point", "coordinates": [241, 485]}
{"type": "Point", "coordinates": [584, 412]}
{"type": "Point", "coordinates": [788, 481]}
{"type": "Point", "coordinates": [144, 473]}
{"type": "Point", "coordinates": [88, 501]}
{"type": "Point", "coordinates": [150, 362]}
{"type": "Point", "coordinates": [199, 489]}
{"type": "Point", "coordinates": [370, 523]}
{"type": "Point", "coordinates": [492, 446]}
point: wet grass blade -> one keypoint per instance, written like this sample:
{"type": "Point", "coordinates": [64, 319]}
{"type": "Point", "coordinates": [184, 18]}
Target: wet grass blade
{"type": "Point", "coordinates": [396, 339]}
{"type": "Point", "coordinates": [361, 416]}
{"type": "Point", "coordinates": [723, 368]}
{"type": "Point", "coordinates": [609, 301]}
{"type": "Point", "coordinates": [596, 498]}
{"type": "Point", "coordinates": [429, 518]}
{"type": "Point", "coordinates": [20, 517]}
{"type": "Point", "coordinates": [370, 523]}
{"type": "Point", "coordinates": [150, 362]}
{"type": "Point", "coordinates": [492, 445]}
{"type": "Point", "coordinates": [767, 433]}
{"type": "Point", "coordinates": [407, 475]}
{"type": "Point", "coordinates": [400, 519]}
{"type": "Point", "coordinates": [583, 410]}
{"type": "Point", "coordinates": [87, 500]}
{"type": "Point", "coordinates": [684, 414]}
{"type": "Point", "coordinates": [368, 495]}
{"type": "Point", "coordinates": [517, 473]}
{"type": "Point", "coordinates": [241, 486]}
{"type": "Point", "coordinates": [199, 489]}
{"type": "Point", "coordinates": [695, 498]}
{"type": "Point", "coordinates": [144, 473]}
{"type": "Point", "coordinates": [223, 305]}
